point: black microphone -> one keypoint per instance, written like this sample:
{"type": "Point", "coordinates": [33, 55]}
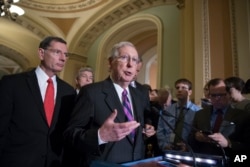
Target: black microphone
{"type": "Point", "coordinates": [155, 110]}
{"type": "Point", "coordinates": [167, 113]}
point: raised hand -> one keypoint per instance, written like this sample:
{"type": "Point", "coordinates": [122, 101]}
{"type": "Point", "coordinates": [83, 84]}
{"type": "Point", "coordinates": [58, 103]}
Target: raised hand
{"type": "Point", "coordinates": [111, 131]}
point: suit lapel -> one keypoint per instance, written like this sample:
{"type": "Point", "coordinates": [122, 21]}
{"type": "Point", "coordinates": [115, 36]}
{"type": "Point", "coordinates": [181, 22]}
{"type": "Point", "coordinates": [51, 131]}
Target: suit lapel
{"type": "Point", "coordinates": [137, 108]}
{"type": "Point", "coordinates": [112, 99]}
{"type": "Point", "coordinates": [57, 102]}
{"type": "Point", "coordinates": [35, 91]}
{"type": "Point", "coordinates": [113, 102]}
{"type": "Point", "coordinates": [230, 114]}
{"type": "Point", "coordinates": [136, 103]}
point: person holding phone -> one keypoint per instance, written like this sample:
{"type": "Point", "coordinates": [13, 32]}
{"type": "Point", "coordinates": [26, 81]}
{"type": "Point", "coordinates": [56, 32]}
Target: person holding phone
{"type": "Point", "coordinates": [221, 127]}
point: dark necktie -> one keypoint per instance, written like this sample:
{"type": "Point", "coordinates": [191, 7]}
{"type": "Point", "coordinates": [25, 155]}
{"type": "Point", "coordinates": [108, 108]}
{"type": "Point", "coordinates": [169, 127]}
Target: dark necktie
{"type": "Point", "coordinates": [179, 126]}
{"type": "Point", "coordinates": [127, 110]}
{"type": "Point", "coordinates": [49, 101]}
{"type": "Point", "coordinates": [218, 121]}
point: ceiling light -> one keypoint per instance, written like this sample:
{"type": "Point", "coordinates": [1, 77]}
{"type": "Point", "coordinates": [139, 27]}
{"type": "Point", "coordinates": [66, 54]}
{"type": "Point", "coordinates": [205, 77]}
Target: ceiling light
{"type": "Point", "coordinates": [9, 10]}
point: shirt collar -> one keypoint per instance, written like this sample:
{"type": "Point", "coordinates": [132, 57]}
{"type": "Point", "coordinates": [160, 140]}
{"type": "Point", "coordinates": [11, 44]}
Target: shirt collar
{"type": "Point", "coordinates": [187, 106]}
{"type": "Point", "coordinates": [223, 110]}
{"type": "Point", "coordinates": [42, 77]}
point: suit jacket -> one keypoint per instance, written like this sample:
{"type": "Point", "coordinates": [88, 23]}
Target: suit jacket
{"type": "Point", "coordinates": [25, 138]}
{"type": "Point", "coordinates": [94, 105]}
{"type": "Point", "coordinates": [235, 127]}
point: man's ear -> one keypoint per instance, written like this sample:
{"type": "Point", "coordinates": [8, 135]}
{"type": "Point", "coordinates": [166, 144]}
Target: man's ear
{"type": "Point", "coordinates": [190, 92]}
{"type": "Point", "coordinates": [110, 60]}
{"type": "Point", "coordinates": [41, 53]}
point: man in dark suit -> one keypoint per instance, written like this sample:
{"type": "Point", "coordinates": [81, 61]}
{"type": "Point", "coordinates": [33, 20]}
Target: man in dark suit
{"type": "Point", "coordinates": [99, 128]}
{"type": "Point", "coordinates": [28, 138]}
{"type": "Point", "coordinates": [230, 134]}
{"type": "Point", "coordinates": [152, 148]}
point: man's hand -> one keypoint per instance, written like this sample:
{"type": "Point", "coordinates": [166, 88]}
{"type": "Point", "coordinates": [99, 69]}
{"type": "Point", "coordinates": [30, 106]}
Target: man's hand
{"type": "Point", "coordinates": [149, 130]}
{"type": "Point", "coordinates": [202, 137]}
{"type": "Point", "coordinates": [220, 139]}
{"type": "Point", "coordinates": [111, 131]}
{"type": "Point", "coordinates": [181, 146]}
{"type": "Point", "coordinates": [169, 147]}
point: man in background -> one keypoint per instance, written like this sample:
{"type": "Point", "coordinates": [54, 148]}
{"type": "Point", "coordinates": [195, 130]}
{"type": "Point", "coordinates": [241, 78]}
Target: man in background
{"type": "Point", "coordinates": [84, 76]}
{"type": "Point", "coordinates": [134, 82]}
{"type": "Point", "coordinates": [180, 116]}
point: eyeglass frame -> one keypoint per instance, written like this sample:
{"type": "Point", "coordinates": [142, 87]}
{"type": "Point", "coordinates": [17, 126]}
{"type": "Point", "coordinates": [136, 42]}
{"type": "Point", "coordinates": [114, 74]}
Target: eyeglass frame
{"type": "Point", "coordinates": [217, 95]}
{"type": "Point", "coordinates": [57, 52]}
{"type": "Point", "coordinates": [127, 58]}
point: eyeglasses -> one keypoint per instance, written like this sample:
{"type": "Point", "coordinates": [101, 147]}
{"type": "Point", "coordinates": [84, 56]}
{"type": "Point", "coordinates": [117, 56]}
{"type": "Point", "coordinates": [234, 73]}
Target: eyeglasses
{"type": "Point", "coordinates": [218, 95]}
{"type": "Point", "coordinates": [126, 58]}
{"type": "Point", "coordinates": [57, 52]}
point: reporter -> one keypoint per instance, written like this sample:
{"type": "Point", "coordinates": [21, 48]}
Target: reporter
{"type": "Point", "coordinates": [230, 133]}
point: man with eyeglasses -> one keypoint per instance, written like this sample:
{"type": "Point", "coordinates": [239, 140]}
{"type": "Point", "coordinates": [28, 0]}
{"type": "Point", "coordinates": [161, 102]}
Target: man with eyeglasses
{"type": "Point", "coordinates": [220, 128]}
{"type": "Point", "coordinates": [180, 116]}
{"type": "Point", "coordinates": [32, 119]}
{"type": "Point", "coordinates": [108, 119]}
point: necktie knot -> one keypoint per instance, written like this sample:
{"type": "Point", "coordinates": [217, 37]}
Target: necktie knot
{"type": "Point", "coordinates": [49, 81]}
{"type": "Point", "coordinates": [124, 93]}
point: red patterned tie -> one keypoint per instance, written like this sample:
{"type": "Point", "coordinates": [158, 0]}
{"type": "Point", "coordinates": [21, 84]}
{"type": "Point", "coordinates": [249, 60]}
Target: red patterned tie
{"type": "Point", "coordinates": [127, 110]}
{"type": "Point", "coordinates": [49, 101]}
{"type": "Point", "coordinates": [218, 121]}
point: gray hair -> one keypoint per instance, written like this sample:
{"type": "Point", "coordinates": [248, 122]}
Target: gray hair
{"type": "Point", "coordinates": [83, 69]}
{"type": "Point", "coordinates": [115, 50]}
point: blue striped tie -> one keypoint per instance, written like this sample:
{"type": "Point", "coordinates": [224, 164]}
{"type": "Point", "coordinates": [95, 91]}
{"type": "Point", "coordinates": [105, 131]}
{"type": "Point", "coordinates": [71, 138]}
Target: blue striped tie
{"type": "Point", "coordinates": [127, 110]}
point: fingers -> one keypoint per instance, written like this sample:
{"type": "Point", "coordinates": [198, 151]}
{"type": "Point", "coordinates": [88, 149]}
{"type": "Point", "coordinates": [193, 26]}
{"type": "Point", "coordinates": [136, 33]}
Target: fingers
{"type": "Point", "coordinates": [219, 139]}
{"type": "Point", "coordinates": [126, 127]}
{"type": "Point", "coordinates": [169, 147]}
{"type": "Point", "coordinates": [112, 131]}
{"type": "Point", "coordinates": [117, 131]}
{"type": "Point", "coordinates": [201, 137]}
{"type": "Point", "coordinates": [149, 130]}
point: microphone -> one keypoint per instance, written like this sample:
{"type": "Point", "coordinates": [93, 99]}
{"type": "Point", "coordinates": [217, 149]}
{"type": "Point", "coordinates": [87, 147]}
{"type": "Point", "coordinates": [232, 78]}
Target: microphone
{"type": "Point", "coordinates": [155, 110]}
{"type": "Point", "coordinates": [167, 113]}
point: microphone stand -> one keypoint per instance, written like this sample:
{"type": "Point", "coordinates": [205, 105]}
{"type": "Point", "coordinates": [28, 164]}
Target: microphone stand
{"type": "Point", "coordinates": [188, 146]}
{"type": "Point", "coordinates": [225, 159]}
